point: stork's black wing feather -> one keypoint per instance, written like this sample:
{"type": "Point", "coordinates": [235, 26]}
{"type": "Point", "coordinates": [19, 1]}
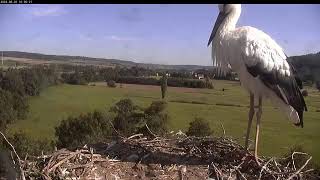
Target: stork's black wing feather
{"type": "Point", "coordinates": [285, 87]}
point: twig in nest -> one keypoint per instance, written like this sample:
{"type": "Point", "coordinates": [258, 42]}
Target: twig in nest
{"type": "Point", "coordinates": [119, 134]}
{"type": "Point", "coordinates": [263, 167]}
{"type": "Point", "coordinates": [241, 174]}
{"type": "Point", "coordinates": [224, 131]}
{"type": "Point", "coordinates": [19, 160]}
{"type": "Point", "coordinates": [297, 172]}
{"type": "Point", "coordinates": [235, 168]}
{"type": "Point", "coordinates": [217, 172]}
{"type": "Point", "coordinates": [150, 131]}
{"type": "Point", "coordinates": [294, 166]}
{"type": "Point", "coordinates": [275, 162]}
{"type": "Point", "coordinates": [62, 161]}
{"type": "Point", "coordinates": [14, 162]}
{"type": "Point", "coordinates": [135, 135]}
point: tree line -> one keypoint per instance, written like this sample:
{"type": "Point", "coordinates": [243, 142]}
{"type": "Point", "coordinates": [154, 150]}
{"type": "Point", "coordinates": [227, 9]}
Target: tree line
{"type": "Point", "coordinates": [308, 68]}
{"type": "Point", "coordinates": [83, 75]}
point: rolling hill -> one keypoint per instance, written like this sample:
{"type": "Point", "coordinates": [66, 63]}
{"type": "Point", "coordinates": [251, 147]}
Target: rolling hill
{"type": "Point", "coordinates": [94, 61]}
{"type": "Point", "coordinates": [307, 66]}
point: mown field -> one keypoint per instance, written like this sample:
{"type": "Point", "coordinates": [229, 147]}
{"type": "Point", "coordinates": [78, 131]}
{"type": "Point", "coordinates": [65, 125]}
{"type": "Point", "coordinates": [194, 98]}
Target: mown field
{"type": "Point", "coordinates": [227, 108]}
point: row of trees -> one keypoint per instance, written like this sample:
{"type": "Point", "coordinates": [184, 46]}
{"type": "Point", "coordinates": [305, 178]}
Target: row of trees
{"type": "Point", "coordinates": [16, 85]}
{"type": "Point", "coordinates": [85, 74]}
{"type": "Point", "coordinates": [84, 77]}
{"type": "Point", "coordinates": [174, 82]}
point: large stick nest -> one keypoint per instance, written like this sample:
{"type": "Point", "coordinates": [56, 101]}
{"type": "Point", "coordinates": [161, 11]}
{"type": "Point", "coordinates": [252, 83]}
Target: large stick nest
{"type": "Point", "coordinates": [176, 157]}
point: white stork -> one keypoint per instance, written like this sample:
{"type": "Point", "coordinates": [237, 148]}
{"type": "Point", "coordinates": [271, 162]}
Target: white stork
{"type": "Point", "coordinates": [261, 64]}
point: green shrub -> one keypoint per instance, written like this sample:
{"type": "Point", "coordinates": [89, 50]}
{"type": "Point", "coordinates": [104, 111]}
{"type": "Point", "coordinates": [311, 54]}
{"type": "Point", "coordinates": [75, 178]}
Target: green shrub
{"type": "Point", "coordinates": [199, 127]}
{"type": "Point", "coordinates": [78, 131]}
{"type": "Point", "coordinates": [111, 83]}
{"type": "Point", "coordinates": [156, 117]}
{"type": "Point", "coordinates": [138, 80]}
{"type": "Point", "coordinates": [26, 145]}
{"type": "Point", "coordinates": [128, 117]}
{"type": "Point", "coordinates": [74, 78]}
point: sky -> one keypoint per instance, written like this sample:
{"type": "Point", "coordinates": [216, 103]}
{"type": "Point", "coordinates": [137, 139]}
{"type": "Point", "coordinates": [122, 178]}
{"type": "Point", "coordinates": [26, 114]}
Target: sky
{"type": "Point", "coordinates": [159, 34]}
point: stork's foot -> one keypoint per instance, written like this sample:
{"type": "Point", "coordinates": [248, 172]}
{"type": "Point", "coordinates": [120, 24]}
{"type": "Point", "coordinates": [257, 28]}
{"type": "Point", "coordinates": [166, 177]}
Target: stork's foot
{"type": "Point", "coordinates": [255, 158]}
{"type": "Point", "coordinates": [258, 160]}
{"type": "Point", "coordinates": [250, 149]}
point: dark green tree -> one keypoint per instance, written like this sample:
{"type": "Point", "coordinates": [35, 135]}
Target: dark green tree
{"type": "Point", "coordinates": [12, 82]}
{"type": "Point", "coordinates": [7, 111]}
{"type": "Point", "coordinates": [164, 85]}
{"type": "Point", "coordinates": [31, 81]}
{"type": "Point", "coordinates": [209, 83]}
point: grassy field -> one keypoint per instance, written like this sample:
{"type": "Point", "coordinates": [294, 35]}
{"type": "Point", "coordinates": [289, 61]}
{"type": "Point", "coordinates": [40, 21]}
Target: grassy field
{"type": "Point", "coordinates": [227, 108]}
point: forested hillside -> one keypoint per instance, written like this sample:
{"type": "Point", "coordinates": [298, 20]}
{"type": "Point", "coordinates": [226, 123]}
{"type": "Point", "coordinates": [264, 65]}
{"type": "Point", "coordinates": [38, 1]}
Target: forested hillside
{"type": "Point", "coordinates": [307, 66]}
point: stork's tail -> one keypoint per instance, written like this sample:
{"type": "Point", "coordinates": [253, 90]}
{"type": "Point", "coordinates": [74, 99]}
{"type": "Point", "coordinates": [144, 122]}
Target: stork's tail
{"type": "Point", "coordinates": [296, 100]}
{"type": "Point", "coordinates": [294, 116]}
{"type": "Point", "coordinates": [299, 111]}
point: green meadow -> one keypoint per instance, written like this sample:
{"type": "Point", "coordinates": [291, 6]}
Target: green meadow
{"type": "Point", "coordinates": [227, 109]}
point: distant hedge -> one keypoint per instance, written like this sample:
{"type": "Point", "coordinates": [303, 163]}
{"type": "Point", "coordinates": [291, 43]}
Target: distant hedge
{"type": "Point", "coordinates": [138, 80]}
{"type": "Point", "coordinates": [173, 82]}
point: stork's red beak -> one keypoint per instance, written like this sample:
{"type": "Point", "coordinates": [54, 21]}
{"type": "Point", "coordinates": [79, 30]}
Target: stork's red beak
{"type": "Point", "coordinates": [216, 26]}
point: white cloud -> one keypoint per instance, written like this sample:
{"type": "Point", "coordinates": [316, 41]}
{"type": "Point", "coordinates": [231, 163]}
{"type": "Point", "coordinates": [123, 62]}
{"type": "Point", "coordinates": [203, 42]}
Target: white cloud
{"type": "Point", "coordinates": [118, 38]}
{"type": "Point", "coordinates": [47, 10]}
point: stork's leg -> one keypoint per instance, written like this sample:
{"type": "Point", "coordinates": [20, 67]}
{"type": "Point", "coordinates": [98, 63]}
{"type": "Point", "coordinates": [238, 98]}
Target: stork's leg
{"type": "Point", "coordinates": [251, 113]}
{"type": "Point", "coordinates": [259, 113]}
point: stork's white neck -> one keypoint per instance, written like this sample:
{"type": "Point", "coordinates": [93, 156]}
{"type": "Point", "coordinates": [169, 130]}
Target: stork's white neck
{"type": "Point", "coordinates": [220, 52]}
{"type": "Point", "coordinates": [229, 22]}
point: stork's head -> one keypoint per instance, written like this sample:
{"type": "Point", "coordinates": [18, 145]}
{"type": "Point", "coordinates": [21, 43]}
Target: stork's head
{"type": "Point", "coordinates": [227, 8]}
{"type": "Point", "coordinates": [224, 11]}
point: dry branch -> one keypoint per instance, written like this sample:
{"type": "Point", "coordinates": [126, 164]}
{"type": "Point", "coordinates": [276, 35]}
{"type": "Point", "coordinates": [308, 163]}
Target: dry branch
{"type": "Point", "coordinates": [19, 160]}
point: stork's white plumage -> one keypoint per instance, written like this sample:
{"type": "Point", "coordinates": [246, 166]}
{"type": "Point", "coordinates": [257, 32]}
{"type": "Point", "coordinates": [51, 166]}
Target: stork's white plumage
{"type": "Point", "coordinates": [261, 64]}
